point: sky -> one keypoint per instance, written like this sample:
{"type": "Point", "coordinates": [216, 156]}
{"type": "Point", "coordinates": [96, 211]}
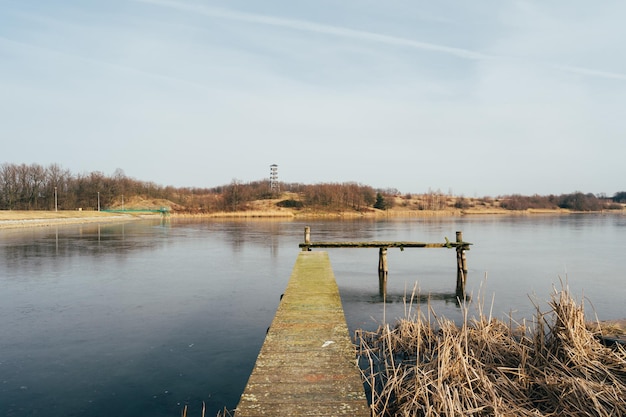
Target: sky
{"type": "Point", "coordinates": [475, 98]}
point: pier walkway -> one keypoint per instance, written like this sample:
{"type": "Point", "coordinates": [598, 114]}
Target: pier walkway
{"type": "Point", "coordinates": [307, 365]}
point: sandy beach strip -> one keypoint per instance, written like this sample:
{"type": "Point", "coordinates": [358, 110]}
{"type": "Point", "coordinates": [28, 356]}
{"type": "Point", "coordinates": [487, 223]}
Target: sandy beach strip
{"type": "Point", "coordinates": [16, 218]}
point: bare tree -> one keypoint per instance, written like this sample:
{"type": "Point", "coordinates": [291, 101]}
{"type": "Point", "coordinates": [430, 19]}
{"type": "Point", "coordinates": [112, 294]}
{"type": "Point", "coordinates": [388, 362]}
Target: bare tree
{"type": "Point", "coordinates": [8, 186]}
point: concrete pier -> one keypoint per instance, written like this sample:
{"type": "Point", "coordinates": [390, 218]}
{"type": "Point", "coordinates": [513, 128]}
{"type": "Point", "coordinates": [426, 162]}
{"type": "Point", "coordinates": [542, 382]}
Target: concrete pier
{"type": "Point", "coordinates": [307, 365]}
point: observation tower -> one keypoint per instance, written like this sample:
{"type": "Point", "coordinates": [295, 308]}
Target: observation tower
{"type": "Point", "coordinates": [274, 187]}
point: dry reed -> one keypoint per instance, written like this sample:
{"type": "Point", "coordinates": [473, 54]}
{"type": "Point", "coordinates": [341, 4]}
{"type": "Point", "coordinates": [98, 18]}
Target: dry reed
{"type": "Point", "coordinates": [425, 366]}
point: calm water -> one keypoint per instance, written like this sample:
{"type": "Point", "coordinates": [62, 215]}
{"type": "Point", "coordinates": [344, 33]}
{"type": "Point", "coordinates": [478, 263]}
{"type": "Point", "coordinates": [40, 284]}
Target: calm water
{"type": "Point", "coordinates": [142, 318]}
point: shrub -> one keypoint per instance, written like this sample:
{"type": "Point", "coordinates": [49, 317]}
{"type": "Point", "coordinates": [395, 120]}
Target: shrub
{"type": "Point", "coordinates": [580, 202]}
{"type": "Point", "coordinates": [290, 203]}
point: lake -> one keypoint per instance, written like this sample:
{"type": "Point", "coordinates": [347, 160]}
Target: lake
{"type": "Point", "coordinates": [142, 318]}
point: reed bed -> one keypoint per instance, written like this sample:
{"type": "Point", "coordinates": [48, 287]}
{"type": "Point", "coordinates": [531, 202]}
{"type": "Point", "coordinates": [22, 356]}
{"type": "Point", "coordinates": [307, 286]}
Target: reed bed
{"type": "Point", "coordinates": [424, 365]}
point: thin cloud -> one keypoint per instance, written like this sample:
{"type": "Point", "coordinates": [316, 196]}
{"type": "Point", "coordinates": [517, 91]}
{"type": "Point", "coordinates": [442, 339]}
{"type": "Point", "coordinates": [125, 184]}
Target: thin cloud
{"type": "Point", "coordinates": [591, 72]}
{"type": "Point", "coordinates": [305, 26]}
{"type": "Point", "coordinates": [38, 50]}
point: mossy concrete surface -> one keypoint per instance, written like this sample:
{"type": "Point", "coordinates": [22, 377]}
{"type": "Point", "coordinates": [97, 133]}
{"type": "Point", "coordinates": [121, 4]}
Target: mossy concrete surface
{"type": "Point", "coordinates": [307, 365]}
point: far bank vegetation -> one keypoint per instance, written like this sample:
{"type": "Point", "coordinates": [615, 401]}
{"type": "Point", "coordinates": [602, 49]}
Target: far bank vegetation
{"type": "Point", "coordinates": [37, 187]}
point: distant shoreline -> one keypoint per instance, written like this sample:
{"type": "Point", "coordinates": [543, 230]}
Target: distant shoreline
{"type": "Point", "coordinates": [381, 214]}
{"type": "Point", "coordinates": [21, 219]}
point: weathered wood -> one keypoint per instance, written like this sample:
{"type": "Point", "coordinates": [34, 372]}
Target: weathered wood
{"type": "Point", "coordinates": [384, 244]}
{"type": "Point", "coordinates": [307, 365]}
{"type": "Point", "coordinates": [461, 267]}
{"type": "Point", "coordinates": [307, 234]}
{"type": "Point", "coordinates": [383, 271]}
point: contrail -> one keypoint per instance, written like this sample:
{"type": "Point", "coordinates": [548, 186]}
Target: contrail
{"type": "Point", "coordinates": [305, 26]}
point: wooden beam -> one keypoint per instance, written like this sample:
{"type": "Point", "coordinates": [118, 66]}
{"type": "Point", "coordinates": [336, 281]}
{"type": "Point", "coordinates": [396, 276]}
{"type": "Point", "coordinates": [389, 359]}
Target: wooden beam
{"type": "Point", "coordinates": [385, 244]}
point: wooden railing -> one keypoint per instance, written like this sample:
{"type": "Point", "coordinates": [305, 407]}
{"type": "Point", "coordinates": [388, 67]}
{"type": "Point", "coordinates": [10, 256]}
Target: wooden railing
{"type": "Point", "coordinates": [383, 270]}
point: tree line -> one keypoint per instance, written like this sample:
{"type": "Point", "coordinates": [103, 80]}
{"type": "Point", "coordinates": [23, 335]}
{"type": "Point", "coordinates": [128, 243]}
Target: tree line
{"type": "Point", "coordinates": [38, 187]}
{"type": "Point", "coordinates": [577, 201]}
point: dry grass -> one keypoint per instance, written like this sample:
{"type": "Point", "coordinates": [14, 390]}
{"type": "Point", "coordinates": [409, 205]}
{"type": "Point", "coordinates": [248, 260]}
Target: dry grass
{"type": "Point", "coordinates": [40, 214]}
{"type": "Point", "coordinates": [280, 214]}
{"type": "Point", "coordinates": [21, 219]}
{"type": "Point", "coordinates": [223, 413]}
{"type": "Point", "coordinates": [485, 367]}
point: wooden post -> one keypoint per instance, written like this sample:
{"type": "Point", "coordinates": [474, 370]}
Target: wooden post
{"type": "Point", "coordinates": [383, 271]}
{"type": "Point", "coordinates": [307, 237]}
{"type": "Point", "coordinates": [461, 268]}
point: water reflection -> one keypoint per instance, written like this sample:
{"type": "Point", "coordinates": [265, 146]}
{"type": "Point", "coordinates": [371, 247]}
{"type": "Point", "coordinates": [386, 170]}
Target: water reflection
{"type": "Point", "coordinates": [75, 242]}
{"type": "Point", "coordinates": [238, 233]}
{"type": "Point", "coordinates": [352, 296]}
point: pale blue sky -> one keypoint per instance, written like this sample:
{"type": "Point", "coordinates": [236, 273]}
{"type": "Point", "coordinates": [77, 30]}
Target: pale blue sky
{"type": "Point", "coordinates": [484, 97]}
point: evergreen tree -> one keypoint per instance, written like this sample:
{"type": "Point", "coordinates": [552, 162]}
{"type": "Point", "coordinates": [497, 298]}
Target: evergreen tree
{"type": "Point", "coordinates": [380, 203]}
